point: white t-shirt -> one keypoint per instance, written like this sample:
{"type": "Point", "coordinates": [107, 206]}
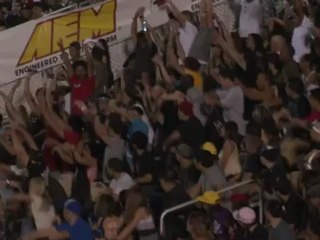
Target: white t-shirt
{"type": "Point", "coordinates": [250, 18]}
{"type": "Point", "coordinates": [232, 101]}
{"type": "Point", "coordinates": [42, 218]}
{"type": "Point", "coordinates": [186, 36]}
{"type": "Point", "coordinates": [124, 182]}
{"type": "Point", "coordinates": [299, 36]}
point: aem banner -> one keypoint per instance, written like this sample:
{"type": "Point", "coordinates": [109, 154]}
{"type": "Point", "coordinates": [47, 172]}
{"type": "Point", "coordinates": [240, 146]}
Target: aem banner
{"type": "Point", "coordinates": [33, 45]}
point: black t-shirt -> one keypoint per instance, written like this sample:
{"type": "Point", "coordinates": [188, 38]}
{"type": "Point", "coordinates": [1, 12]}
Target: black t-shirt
{"type": "Point", "coordinates": [192, 132]}
{"type": "Point", "coordinates": [189, 176]}
{"type": "Point", "coordinates": [253, 164]}
{"type": "Point", "coordinates": [176, 196]}
{"type": "Point", "coordinates": [171, 119]}
{"type": "Point", "coordinates": [297, 212]}
{"type": "Point", "coordinates": [36, 164]}
{"type": "Point", "coordinates": [259, 233]}
{"type": "Point", "coordinates": [143, 59]}
{"type": "Point", "coordinates": [271, 176]}
{"type": "Point", "coordinates": [144, 164]}
{"type": "Point", "coordinates": [213, 128]}
{"type": "Point", "coordinates": [300, 107]}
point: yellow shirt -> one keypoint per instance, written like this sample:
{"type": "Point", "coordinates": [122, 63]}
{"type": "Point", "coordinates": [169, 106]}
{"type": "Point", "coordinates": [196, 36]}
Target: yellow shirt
{"type": "Point", "coordinates": [197, 78]}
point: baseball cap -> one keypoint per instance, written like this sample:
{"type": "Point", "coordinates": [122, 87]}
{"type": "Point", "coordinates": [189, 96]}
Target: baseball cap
{"type": "Point", "coordinates": [210, 147]}
{"type": "Point", "coordinates": [209, 197]}
{"type": "Point", "coordinates": [186, 108]}
{"type": "Point", "coordinates": [185, 151]}
{"type": "Point", "coordinates": [245, 215]}
{"type": "Point", "coordinates": [73, 206]}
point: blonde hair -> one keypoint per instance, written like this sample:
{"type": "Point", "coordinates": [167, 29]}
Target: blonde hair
{"type": "Point", "coordinates": [39, 187]}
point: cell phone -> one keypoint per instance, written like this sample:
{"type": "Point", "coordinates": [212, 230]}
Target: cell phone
{"type": "Point", "coordinates": [144, 26]}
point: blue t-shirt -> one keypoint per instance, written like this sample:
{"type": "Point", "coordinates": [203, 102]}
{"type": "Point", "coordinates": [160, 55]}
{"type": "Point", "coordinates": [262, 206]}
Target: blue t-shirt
{"type": "Point", "coordinates": [137, 125]}
{"type": "Point", "coordinates": [81, 230]}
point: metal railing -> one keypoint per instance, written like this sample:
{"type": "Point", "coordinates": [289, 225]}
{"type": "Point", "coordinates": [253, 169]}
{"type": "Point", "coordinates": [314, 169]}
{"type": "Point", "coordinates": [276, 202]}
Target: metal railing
{"type": "Point", "coordinates": [186, 204]}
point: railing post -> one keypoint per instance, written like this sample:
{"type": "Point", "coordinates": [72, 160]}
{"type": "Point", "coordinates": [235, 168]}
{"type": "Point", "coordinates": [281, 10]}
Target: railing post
{"type": "Point", "coordinates": [183, 205]}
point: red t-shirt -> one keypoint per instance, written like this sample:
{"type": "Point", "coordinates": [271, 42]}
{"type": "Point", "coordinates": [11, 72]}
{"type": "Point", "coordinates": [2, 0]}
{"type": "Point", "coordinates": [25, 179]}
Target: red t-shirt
{"type": "Point", "coordinates": [81, 90]}
{"type": "Point", "coordinates": [71, 137]}
{"type": "Point", "coordinates": [48, 157]}
{"type": "Point", "coordinates": [314, 116]}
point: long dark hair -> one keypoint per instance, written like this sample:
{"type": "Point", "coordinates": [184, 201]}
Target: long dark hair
{"type": "Point", "coordinates": [134, 200]}
{"type": "Point", "coordinates": [231, 131]}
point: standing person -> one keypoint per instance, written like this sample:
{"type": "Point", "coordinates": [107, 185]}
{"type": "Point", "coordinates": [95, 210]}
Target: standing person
{"type": "Point", "coordinates": [81, 79]}
{"type": "Point", "coordinates": [175, 193]}
{"type": "Point", "coordinates": [110, 133]}
{"type": "Point", "coordinates": [229, 155]}
{"type": "Point", "coordinates": [75, 51]}
{"type": "Point", "coordinates": [215, 119]}
{"type": "Point", "coordinates": [190, 130]}
{"type": "Point", "coordinates": [280, 230]}
{"type": "Point", "coordinates": [137, 217]}
{"type": "Point", "coordinates": [40, 203]}
{"type": "Point", "coordinates": [145, 48]}
{"type": "Point", "coordinates": [198, 226]}
{"type": "Point", "coordinates": [247, 219]}
{"type": "Point", "coordinates": [74, 227]}
{"type": "Point", "coordinates": [187, 31]}
{"type": "Point", "coordinates": [101, 72]}
{"type": "Point", "coordinates": [143, 162]}
{"type": "Point", "coordinates": [212, 177]}
{"type": "Point", "coordinates": [220, 219]}
{"type": "Point", "coordinates": [232, 100]}
{"type": "Point", "coordinates": [302, 31]}
{"type": "Point", "coordinates": [297, 210]}
{"type": "Point", "coordinates": [120, 179]}
{"type": "Point", "coordinates": [111, 227]}
{"type": "Point", "coordinates": [309, 75]}
{"type": "Point", "coordinates": [188, 174]}
{"type": "Point", "coordinates": [250, 17]}
{"type": "Point", "coordinates": [298, 104]}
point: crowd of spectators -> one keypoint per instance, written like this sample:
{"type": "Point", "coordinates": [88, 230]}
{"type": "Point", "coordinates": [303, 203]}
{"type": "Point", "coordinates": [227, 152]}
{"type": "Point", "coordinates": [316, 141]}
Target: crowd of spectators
{"type": "Point", "coordinates": [191, 114]}
{"type": "Point", "coordinates": [15, 12]}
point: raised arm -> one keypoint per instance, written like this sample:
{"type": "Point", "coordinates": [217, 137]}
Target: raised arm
{"type": "Point", "coordinates": [83, 156]}
{"type": "Point", "coordinates": [203, 14]}
{"type": "Point", "coordinates": [155, 38]}
{"type": "Point", "coordinates": [13, 113]}
{"type": "Point", "coordinates": [134, 25]}
{"type": "Point", "coordinates": [176, 13]}
{"type": "Point", "coordinates": [233, 53]}
{"type": "Point", "coordinates": [29, 98]}
{"type": "Point", "coordinates": [299, 10]}
{"type": "Point", "coordinates": [21, 154]}
{"type": "Point", "coordinates": [65, 58]}
{"type": "Point", "coordinates": [163, 70]}
{"type": "Point", "coordinates": [172, 60]}
{"type": "Point", "coordinates": [89, 61]}
{"type": "Point", "coordinates": [14, 89]}
{"type": "Point", "coordinates": [53, 120]}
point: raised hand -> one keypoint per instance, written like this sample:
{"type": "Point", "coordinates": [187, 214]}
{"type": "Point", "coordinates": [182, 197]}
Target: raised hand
{"type": "Point", "coordinates": [60, 44]}
{"type": "Point", "coordinates": [140, 12]}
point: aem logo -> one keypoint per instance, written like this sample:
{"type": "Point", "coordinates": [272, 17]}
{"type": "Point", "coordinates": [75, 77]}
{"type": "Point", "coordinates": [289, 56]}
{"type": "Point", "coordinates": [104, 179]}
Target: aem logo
{"type": "Point", "coordinates": [75, 26]}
